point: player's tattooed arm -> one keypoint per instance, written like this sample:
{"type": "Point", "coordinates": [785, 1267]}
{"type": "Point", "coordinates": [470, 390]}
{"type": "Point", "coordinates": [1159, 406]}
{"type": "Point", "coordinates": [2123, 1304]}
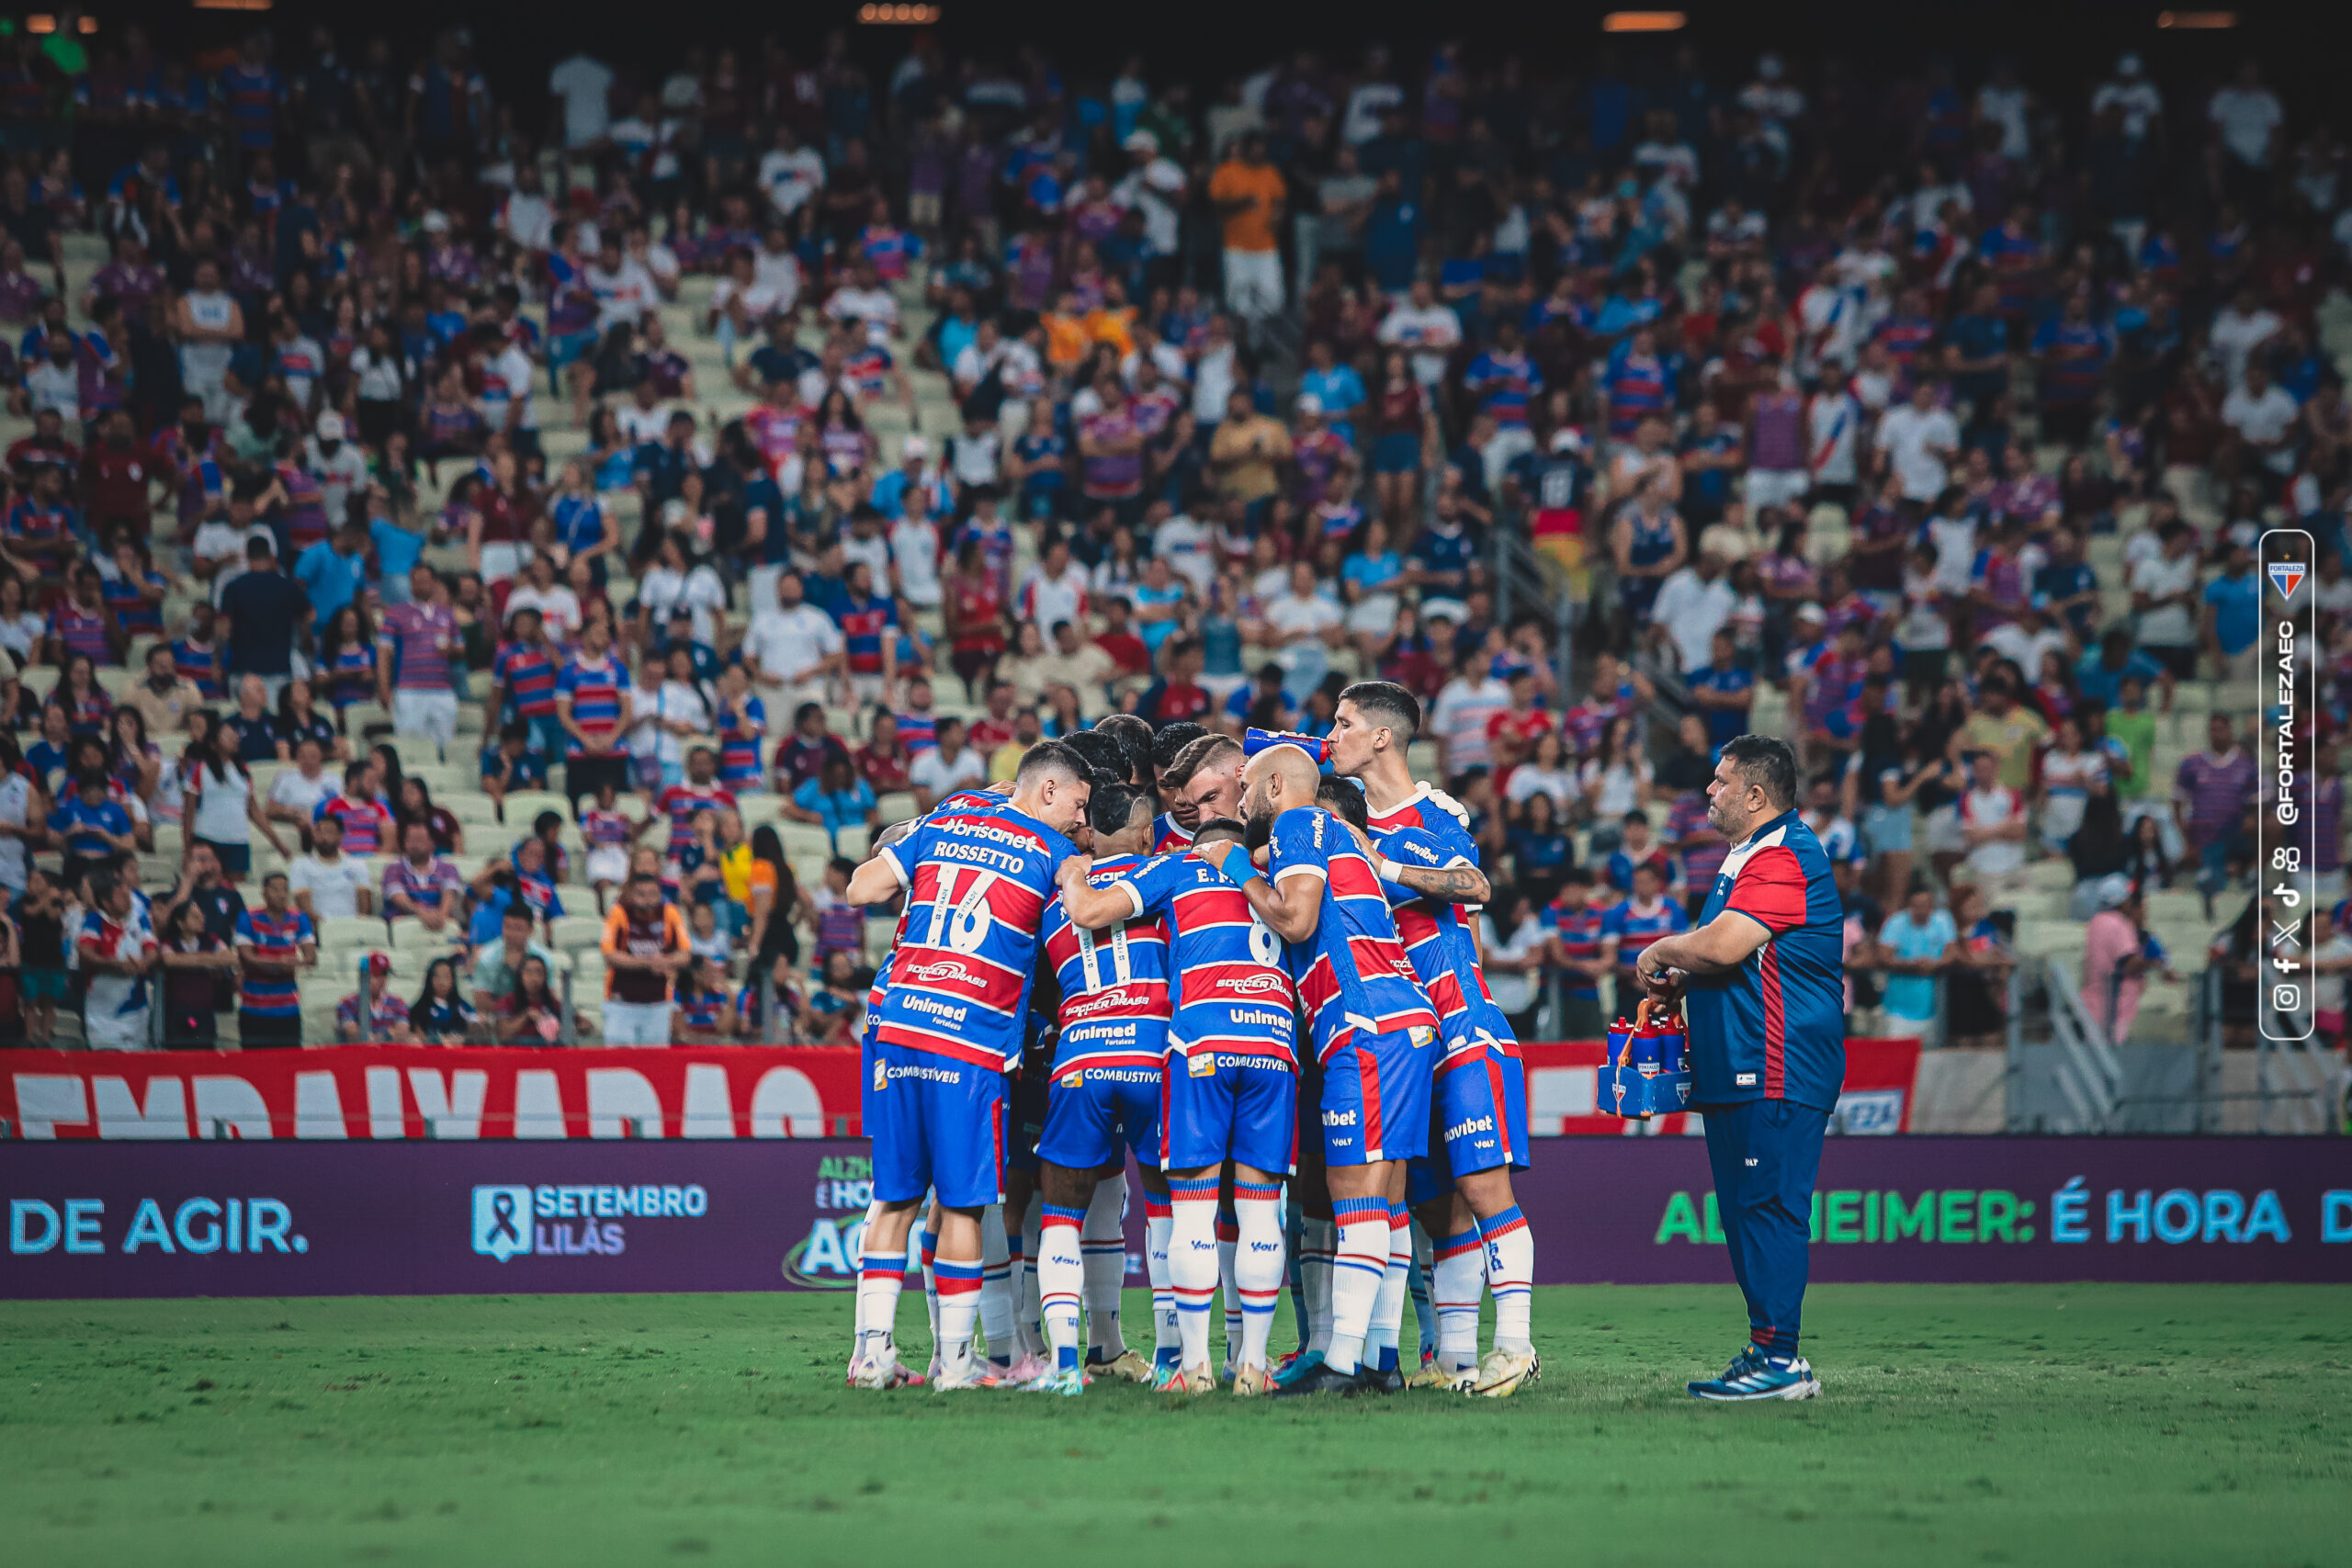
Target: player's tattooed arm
{"type": "Point", "coordinates": [1456, 883]}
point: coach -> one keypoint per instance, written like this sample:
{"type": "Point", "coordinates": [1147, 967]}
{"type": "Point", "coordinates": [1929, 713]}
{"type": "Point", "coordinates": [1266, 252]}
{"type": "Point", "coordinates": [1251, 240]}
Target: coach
{"type": "Point", "coordinates": [1763, 978]}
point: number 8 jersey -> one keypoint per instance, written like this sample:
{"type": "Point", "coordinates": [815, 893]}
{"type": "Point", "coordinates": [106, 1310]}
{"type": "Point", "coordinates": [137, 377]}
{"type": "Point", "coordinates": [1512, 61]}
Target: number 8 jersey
{"type": "Point", "coordinates": [1232, 992]}
{"type": "Point", "coordinates": [977, 884]}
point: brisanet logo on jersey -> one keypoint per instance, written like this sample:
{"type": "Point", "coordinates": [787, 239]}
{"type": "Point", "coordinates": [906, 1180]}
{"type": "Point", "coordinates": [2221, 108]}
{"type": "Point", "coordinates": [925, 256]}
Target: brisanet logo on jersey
{"type": "Point", "coordinates": [569, 1221]}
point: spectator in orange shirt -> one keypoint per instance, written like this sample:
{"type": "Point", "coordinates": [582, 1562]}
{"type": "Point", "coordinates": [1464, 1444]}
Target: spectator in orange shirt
{"type": "Point", "coordinates": [1247, 193]}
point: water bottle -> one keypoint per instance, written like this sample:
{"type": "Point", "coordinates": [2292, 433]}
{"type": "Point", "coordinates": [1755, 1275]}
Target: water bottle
{"type": "Point", "coordinates": [1256, 740]}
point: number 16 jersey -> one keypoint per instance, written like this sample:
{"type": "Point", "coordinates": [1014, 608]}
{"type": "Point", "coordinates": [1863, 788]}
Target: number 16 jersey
{"type": "Point", "coordinates": [977, 884]}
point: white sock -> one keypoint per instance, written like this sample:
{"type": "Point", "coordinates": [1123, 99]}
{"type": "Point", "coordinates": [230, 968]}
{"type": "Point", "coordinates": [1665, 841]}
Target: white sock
{"type": "Point", "coordinates": [1192, 1264]}
{"type": "Point", "coordinates": [1388, 1307]}
{"type": "Point", "coordinates": [879, 1279]}
{"type": "Point", "coordinates": [1030, 1323]}
{"type": "Point", "coordinates": [1357, 1269]}
{"type": "Point", "coordinates": [996, 1285]}
{"type": "Point", "coordinates": [959, 1303]}
{"type": "Point", "coordinates": [857, 1325]}
{"type": "Point", "coordinates": [1105, 1240]}
{"type": "Point", "coordinates": [1511, 1274]}
{"type": "Point", "coordinates": [1062, 1280]}
{"type": "Point", "coordinates": [1157, 1225]}
{"type": "Point", "coordinates": [1320, 1241]}
{"type": "Point", "coordinates": [1457, 1279]}
{"type": "Point", "coordinates": [1257, 1266]}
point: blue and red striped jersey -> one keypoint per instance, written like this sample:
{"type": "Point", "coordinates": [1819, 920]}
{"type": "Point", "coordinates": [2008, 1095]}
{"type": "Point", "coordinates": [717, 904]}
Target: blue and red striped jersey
{"type": "Point", "coordinates": [1232, 992]}
{"type": "Point", "coordinates": [1775, 1027]}
{"type": "Point", "coordinates": [1114, 982]}
{"type": "Point", "coordinates": [1444, 958]}
{"type": "Point", "coordinates": [365, 824]}
{"type": "Point", "coordinates": [273, 939]}
{"type": "Point", "coordinates": [1351, 972]}
{"type": "Point", "coordinates": [680, 801]}
{"type": "Point", "coordinates": [1170, 836]}
{"type": "Point", "coordinates": [740, 729]}
{"type": "Point", "coordinates": [596, 692]}
{"type": "Point", "coordinates": [863, 624]}
{"type": "Point", "coordinates": [977, 881]}
{"type": "Point", "coordinates": [527, 671]}
{"type": "Point", "coordinates": [1634, 928]}
{"type": "Point", "coordinates": [199, 662]}
{"type": "Point", "coordinates": [1578, 933]}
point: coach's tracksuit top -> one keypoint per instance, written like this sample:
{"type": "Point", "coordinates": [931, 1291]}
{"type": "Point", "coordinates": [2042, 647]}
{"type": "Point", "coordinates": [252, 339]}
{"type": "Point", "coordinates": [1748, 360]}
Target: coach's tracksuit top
{"type": "Point", "coordinates": [1775, 1027]}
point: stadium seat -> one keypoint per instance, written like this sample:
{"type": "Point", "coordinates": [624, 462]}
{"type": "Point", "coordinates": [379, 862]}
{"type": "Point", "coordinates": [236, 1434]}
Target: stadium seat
{"type": "Point", "coordinates": [342, 930]}
{"type": "Point", "coordinates": [524, 805]}
{"type": "Point", "coordinates": [412, 935]}
{"type": "Point", "coordinates": [570, 932]}
{"type": "Point", "coordinates": [896, 806]}
{"type": "Point", "coordinates": [851, 840]}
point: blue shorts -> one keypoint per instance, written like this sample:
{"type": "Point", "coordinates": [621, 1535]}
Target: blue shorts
{"type": "Point", "coordinates": [936, 1124]}
{"type": "Point", "coordinates": [1234, 1105]}
{"type": "Point", "coordinates": [1479, 1121]}
{"type": "Point", "coordinates": [1377, 1097]}
{"type": "Point", "coordinates": [564, 350]}
{"type": "Point", "coordinates": [1398, 452]}
{"type": "Point", "coordinates": [1092, 1112]}
{"type": "Point", "coordinates": [1025, 1109]}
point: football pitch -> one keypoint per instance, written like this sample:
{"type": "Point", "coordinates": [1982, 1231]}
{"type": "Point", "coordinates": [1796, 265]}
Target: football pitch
{"type": "Point", "coordinates": [1978, 1424]}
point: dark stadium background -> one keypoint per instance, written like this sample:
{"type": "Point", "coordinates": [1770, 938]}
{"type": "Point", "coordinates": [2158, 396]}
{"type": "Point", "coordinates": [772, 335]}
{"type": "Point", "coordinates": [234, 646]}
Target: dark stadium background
{"type": "Point", "coordinates": [2063, 46]}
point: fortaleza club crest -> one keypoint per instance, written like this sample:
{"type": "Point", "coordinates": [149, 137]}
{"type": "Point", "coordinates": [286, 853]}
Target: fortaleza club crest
{"type": "Point", "coordinates": [2286, 576]}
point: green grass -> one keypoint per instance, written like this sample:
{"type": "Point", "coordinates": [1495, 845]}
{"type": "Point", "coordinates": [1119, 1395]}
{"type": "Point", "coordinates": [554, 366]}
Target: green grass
{"type": "Point", "coordinates": [2074, 1424]}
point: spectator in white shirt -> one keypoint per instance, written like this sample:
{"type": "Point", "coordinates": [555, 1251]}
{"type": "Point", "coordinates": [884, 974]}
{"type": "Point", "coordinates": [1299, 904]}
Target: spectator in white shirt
{"type": "Point", "coordinates": [791, 649]}
{"type": "Point", "coordinates": [1920, 441]}
{"type": "Point", "coordinates": [2261, 418]}
{"type": "Point", "coordinates": [2248, 115]}
{"type": "Point", "coordinates": [1692, 604]}
{"type": "Point", "coordinates": [951, 765]}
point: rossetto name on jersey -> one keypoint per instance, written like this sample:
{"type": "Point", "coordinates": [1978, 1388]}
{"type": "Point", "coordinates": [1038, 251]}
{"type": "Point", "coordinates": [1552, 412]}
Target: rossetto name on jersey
{"type": "Point", "coordinates": [976, 886]}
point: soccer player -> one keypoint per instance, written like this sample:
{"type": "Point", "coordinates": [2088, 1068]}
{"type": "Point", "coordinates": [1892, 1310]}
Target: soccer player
{"type": "Point", "coordinates": [1763, 979]}
{"type": "Point", "coordinates": [1372, 1026]}
{"type": "Point", "coordinates": [950, 1026]}
{"type": "Point", "coordinates": [1230, 1089]}
{"type": "Point", "coordinates": [1461, 1191]}
{"type": "Point", "coordinates": [1481, 1093]}
{"type": "Point", "coordinates": [1171, 832]}
{"type": "Point", "coordinates": [1104, 1099]}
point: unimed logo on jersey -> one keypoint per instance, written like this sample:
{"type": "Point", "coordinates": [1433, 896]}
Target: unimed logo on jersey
{"type": "Point", "coordinates": [569, 1221]}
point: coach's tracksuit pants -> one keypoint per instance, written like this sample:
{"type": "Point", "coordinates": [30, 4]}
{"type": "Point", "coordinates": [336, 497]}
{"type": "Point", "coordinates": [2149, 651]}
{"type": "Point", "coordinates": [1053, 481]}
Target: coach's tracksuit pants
{"type": "Point", "coordinates": [1765, 1154]}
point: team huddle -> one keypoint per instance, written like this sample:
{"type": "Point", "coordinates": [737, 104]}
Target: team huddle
{"type": "Point", "coordinates": [1256, 979]}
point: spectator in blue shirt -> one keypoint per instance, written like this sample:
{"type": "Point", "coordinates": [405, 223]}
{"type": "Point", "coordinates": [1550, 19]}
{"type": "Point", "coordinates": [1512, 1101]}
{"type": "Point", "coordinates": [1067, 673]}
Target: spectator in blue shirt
{"type": "Point", "coordinates": [834, 799]}
{"type": "Point", "coordinates": [94, 827]}
{"type": "Point", "coordinates": [2101, 676]}
{"type": "Point", "coordinates": [331, 570]}
{"type": "Point", "coordinates": [2234, 615]}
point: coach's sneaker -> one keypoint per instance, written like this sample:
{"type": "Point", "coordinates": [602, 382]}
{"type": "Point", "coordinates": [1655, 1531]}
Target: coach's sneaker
{"type": "Point", "coordinates": [952, 1382]}
{"type": "Point", "coordinates": [1025, 1370]}
{"type": "Point", "coordinates": [1296, 1366]}
{"type": "Point", "coordinates": [1127, 1367]}
{"type": "Point", "coordinates": [881, 1372]}
{"type": "Point", "coordinates": [1252, 1382]}
{"type": "Point", "coordinates": [1754, 1375]}
{"type": "Point", "coordinates": [1502, 1373]}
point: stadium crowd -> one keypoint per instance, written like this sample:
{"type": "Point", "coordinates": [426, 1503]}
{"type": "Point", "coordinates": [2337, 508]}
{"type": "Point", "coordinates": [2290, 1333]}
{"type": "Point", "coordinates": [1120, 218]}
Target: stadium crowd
{"type": "Point", "coordinates": [554, 533]}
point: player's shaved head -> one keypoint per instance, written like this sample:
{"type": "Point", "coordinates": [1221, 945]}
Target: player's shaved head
{"type": "Point", "coordinates": [1278, 779]}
